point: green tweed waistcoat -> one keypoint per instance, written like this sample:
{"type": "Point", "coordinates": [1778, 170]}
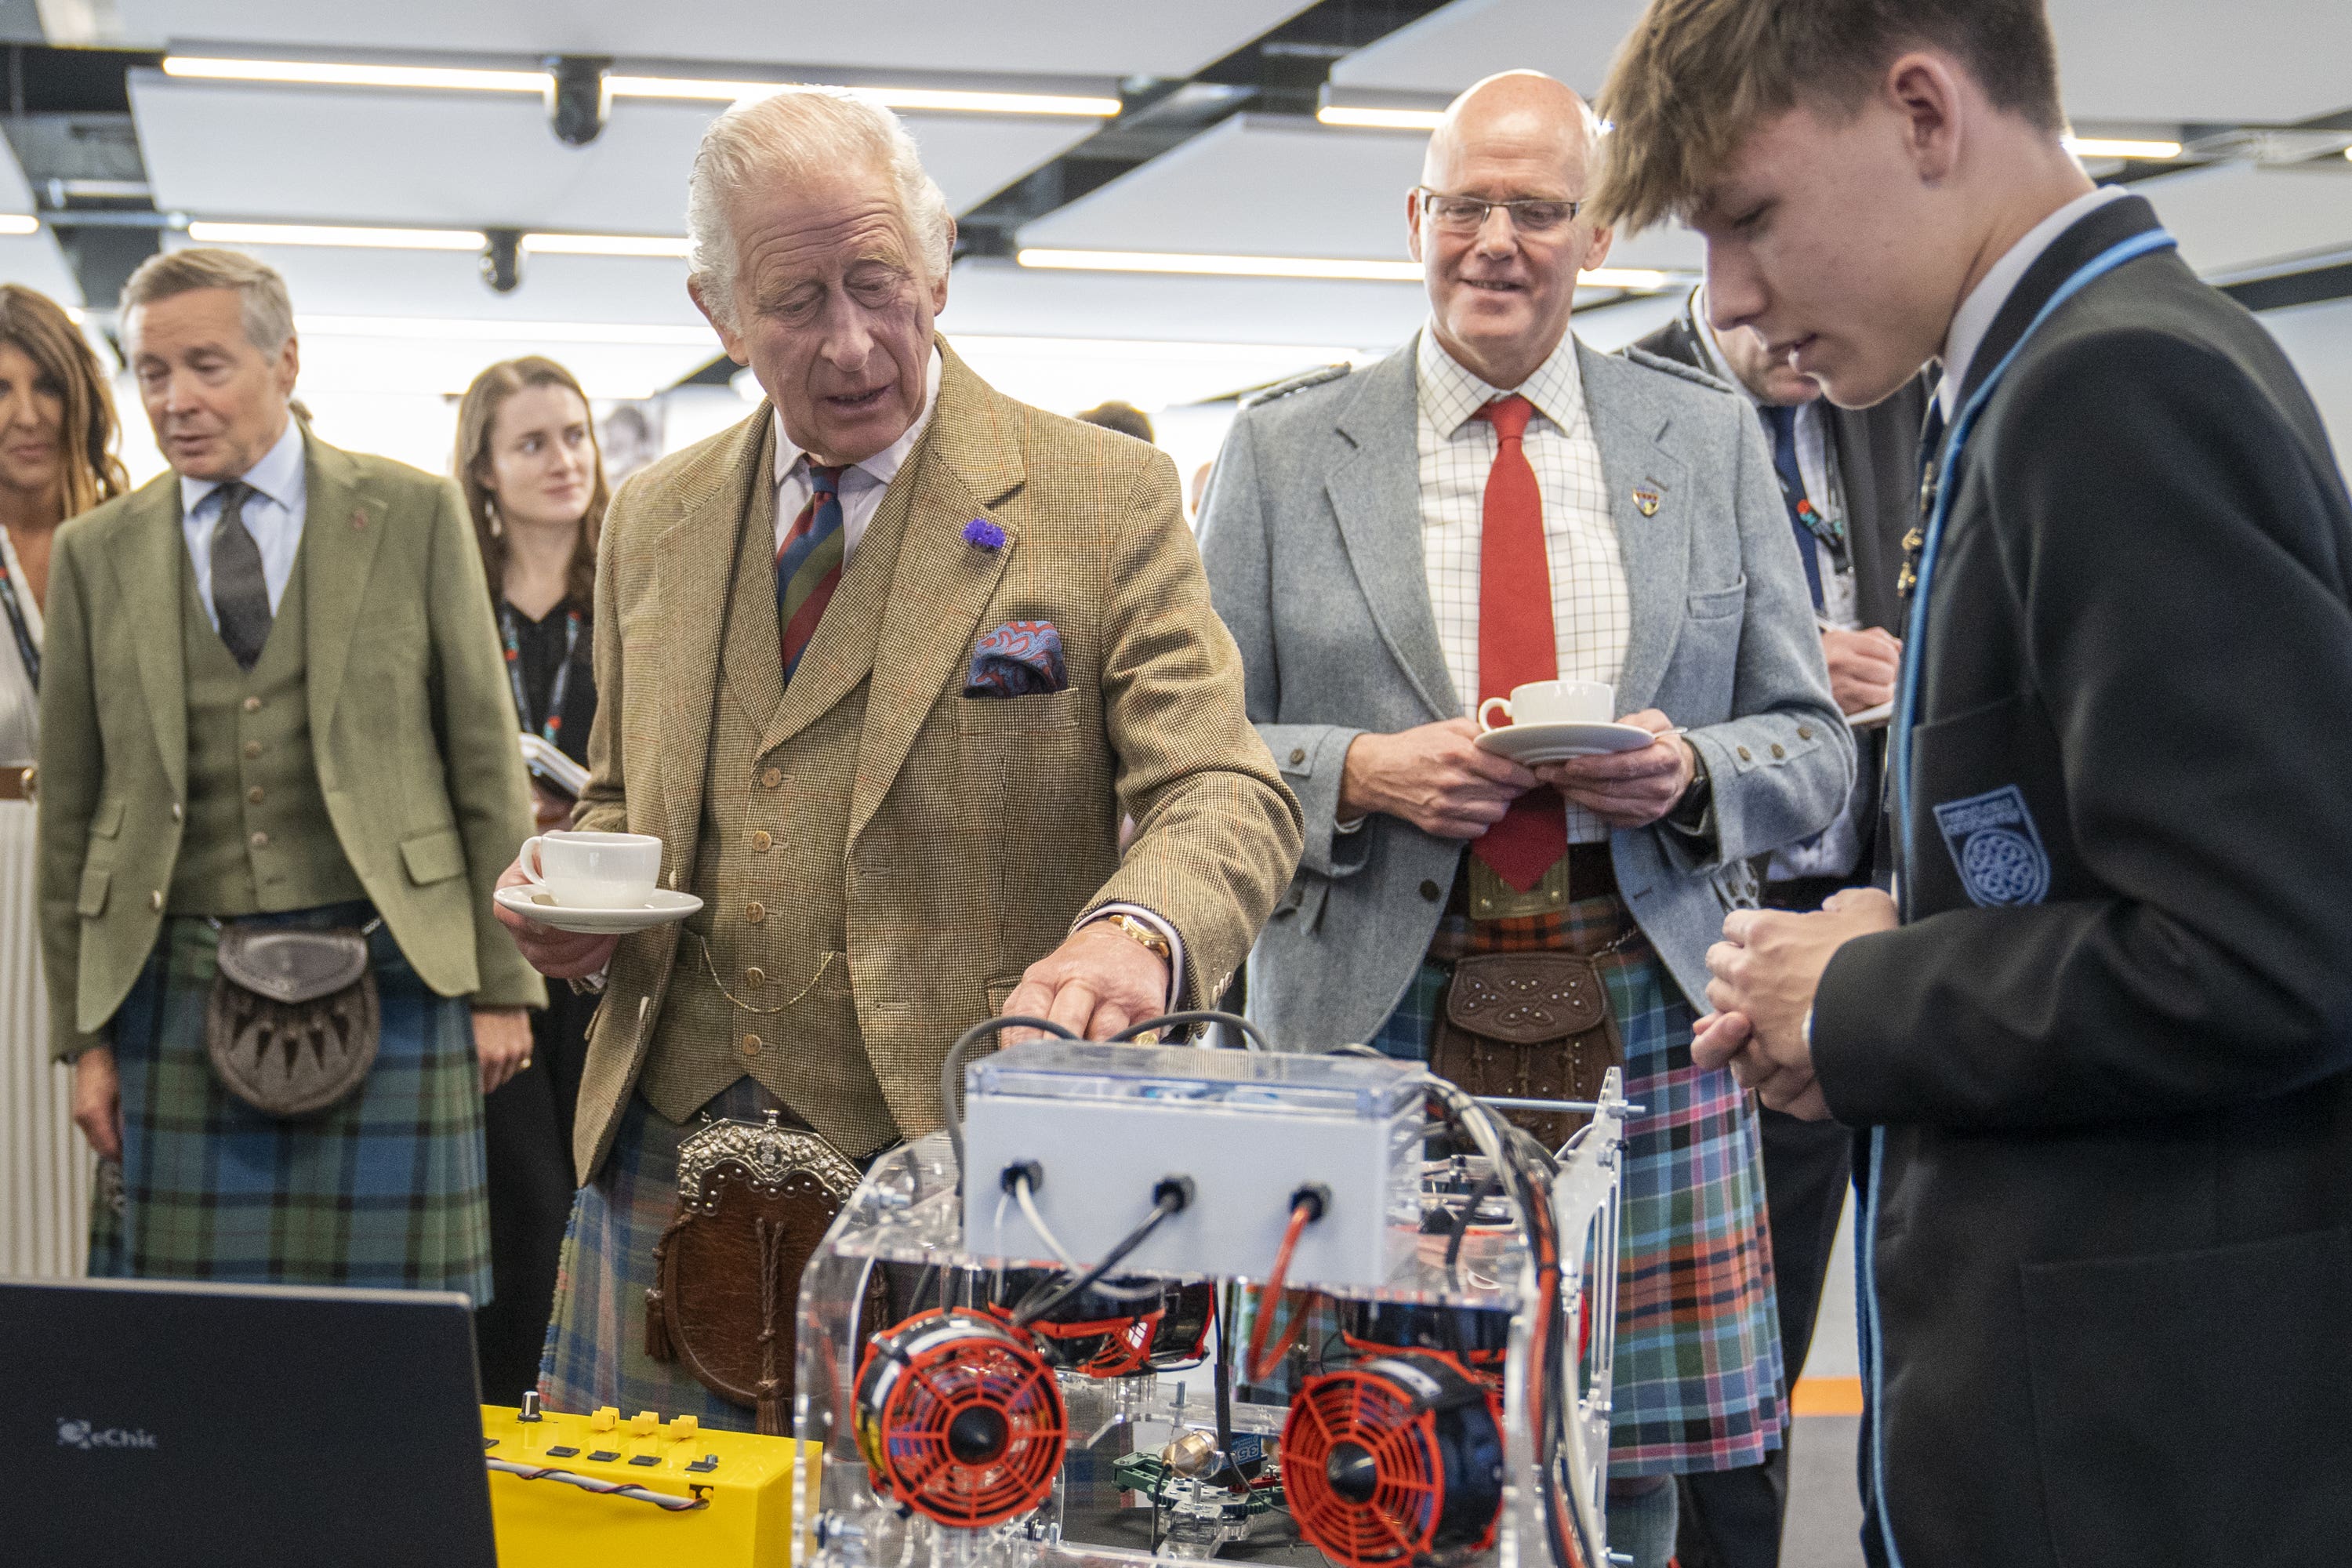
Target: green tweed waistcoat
{"type": "Point", "coordinates": [258, 838]}
{"type": "Point", "coordinates": [761, 981]}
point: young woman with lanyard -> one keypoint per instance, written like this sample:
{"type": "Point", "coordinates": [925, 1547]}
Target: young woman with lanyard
{"type": "Point", "coordinates": [534, 482]}
{"type": "Point", "coordinates": [57, 442]}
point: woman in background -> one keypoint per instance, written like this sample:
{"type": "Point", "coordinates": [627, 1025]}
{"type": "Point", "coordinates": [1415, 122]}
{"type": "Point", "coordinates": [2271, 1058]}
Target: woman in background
{"type": "Point", "coordinates": [58, 444]}
{"type": "Point", "coordinates": [534, 481]}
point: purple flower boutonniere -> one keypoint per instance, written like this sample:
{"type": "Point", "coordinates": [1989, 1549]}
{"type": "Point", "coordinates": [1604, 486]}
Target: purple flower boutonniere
{"type": "Point", "coordinates": [984, 533]}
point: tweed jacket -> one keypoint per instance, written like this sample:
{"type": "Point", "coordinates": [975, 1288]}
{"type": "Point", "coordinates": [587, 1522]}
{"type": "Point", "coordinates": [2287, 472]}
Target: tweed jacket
{"type": "Point", "coordinates": [978, 830]}
{"type": "Point", "coordinates": [1311, 531]}
{"type": "Point", "coordinates": [413, 732]}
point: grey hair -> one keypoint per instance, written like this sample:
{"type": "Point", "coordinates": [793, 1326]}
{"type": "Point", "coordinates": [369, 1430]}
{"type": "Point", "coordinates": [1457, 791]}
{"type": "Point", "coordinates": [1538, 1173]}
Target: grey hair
{"type": "Point", "coordinates": [789, 135]}
{"type": "Point", "coordinates": [268, 312]}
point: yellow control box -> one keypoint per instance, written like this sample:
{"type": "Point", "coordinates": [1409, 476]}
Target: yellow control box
{"type": "Point", "coordinates": [728, 1494]}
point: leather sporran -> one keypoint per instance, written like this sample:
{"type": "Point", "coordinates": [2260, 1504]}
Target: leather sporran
{"type": "Point", "coordinates": [292, 1022]}
{"type": "Point", "coordinates": [753, 1201]}
{"type": "Point", "coordinates": [1529, 1025]}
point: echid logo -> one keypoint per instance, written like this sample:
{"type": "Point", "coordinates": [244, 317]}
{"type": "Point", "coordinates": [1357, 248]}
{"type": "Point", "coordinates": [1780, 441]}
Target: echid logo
{"type": "Point", "coordinates": [87, 1435]}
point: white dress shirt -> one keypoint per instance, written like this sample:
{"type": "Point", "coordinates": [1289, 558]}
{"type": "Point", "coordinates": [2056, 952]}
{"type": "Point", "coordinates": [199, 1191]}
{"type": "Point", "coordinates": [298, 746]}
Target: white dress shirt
{"type": "Point", "coordinates": [862, 483]}
{"type": "Point", "coordinates": [273, 514]}
{"type": "Point", "coordinates": [1592, 615]}
{"type": "Point", "coordinates": [1975, 317]}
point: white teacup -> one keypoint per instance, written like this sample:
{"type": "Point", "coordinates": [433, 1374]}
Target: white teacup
{"type": "Point", "coordinates": [593, 870]}
{"type": "Point", "coordinates": [1553, 702]}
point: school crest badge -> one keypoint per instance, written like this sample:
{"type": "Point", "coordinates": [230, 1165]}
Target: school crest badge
{"type": "Point", "coordinates": [1646, 498]}
{"type": "Point", "coordinates": [1997, 848]}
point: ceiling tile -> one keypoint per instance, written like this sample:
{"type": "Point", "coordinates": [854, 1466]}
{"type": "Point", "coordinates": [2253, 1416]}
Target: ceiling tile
{"type": "Point", "coordinates": [2236, 216]}
{"type": "Point", "coordinates": [2318, 339]}
{"type": "Point", "coordinates": [219, 150]}
{"type": "Point", "coordinates": [333, 280]}
{"type": "Point", "coordinates": [1004, 36]}
{"type": "Point", "coordinates": [2173, 60]}
{"type": "Point", "coordinates": [1447, 50]}
{"type": "Point", "coordinates": [34, 261]}
{"type": "Point", "coordinates": [1268, 185]}
{"type": "Point", "coordinates": [998, 298]}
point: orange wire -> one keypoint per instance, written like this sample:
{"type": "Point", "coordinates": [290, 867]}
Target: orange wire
{"type": "Point", "coordinates": [1260, 1365]}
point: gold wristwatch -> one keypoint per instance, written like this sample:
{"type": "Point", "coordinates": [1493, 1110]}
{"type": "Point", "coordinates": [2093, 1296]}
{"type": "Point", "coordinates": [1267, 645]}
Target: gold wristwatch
{"type": "Point", "coordinates": [1135, 930]}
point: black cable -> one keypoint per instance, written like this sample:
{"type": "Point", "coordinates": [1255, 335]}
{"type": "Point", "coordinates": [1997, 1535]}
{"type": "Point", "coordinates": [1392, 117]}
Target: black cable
{"type": "Point", "coordinates": [1200, 1016]}
{"type": "Point", "coordinates": [1170, 1201]}
{"type": "Point", "coordinates": [952, 1071]}
{"type": "Point", "coordinates": [1228, 1303]}
{"type": "Point", "coordinates": [1487, 1189]}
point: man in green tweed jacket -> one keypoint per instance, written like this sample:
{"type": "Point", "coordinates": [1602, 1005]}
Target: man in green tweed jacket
{"type": "Point", "coordinates": [883, 667]}
{"type": "Point", "coordinates": [272, 695]}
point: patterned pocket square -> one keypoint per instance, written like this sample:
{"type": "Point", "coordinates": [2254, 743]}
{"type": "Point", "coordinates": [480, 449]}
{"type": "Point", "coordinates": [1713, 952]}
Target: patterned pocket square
{"type": "Point", "coordinates": [1019, 658]}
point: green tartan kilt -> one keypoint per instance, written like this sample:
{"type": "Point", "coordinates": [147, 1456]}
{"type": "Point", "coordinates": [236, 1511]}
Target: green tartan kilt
{"type": "Point", "coordinates": [384, 1190]}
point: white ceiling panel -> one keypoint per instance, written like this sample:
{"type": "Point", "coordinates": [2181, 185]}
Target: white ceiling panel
{"type": "Point", "coordinates": [2235, 216]}
{"type": "Point", "coordinates": [1263, 185]}
{"type": "Point", "coordinates": [34, 261]}
{"type": "Point", "coordinates": [1006, 36]}
{"type": "Point", "coordinates": [994, 298]}
{"type": "Point", "coordinates": [2171, 60]}
{"type": "Point", "coordinates": [470, 159]}
{"type": "Point", "coordinates": [2158, 60]}
{"type": "Point", "coordinates": [331, 280]}
{"type": "Point", "coordinates": [15, 196]}
{"type": "Point", "coordinates": [2318, 339]}
{"type": "Point", "coordinates": [1447, 50]}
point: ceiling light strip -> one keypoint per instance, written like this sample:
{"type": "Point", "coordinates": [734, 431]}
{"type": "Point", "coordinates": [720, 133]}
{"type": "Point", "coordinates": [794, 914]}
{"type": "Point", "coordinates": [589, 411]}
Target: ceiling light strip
{"type": "Point", "coordinates": [660, 245]}
{"type": "Point", "coordinates": [19, 222]}
{"type": "Point", "coordinates": [425, 329]}
{"type": "Point", "coordinates": [208, 233]}
{"type": "Point", "coordinates": [316, 73]}
{"type": "Point", "coordinates": [2114, 147]}
{"type": "Point", "coordinates": [1380, 119]}
{"type": "Point", "coordinates": [312, 73]}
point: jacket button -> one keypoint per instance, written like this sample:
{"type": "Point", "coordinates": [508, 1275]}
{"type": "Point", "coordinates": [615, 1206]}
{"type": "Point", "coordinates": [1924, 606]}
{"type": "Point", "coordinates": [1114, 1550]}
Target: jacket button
{"type": "Point", "coordinates": [761, 840]}
{"type": "Point", "coordinates": [156, 901]}
{"type": "Point", "coordinates": [253, 704]}
{"type": "Point", "coordinates": [253, 749]}
{"type": "Point", "coordinates": [771, 777]}
{"type": "Point", "coordinates": [259, 841]}
{"type": "Point", "coordinates": [1804, 732]}
{"type": "Point", "coordinates": [1744, 756]}
{"type": "Point", "coordinates": [754, 977]}
{"type": "Point", "coordinates": [254, 794]}
{"type": "Point", "coordinates": [1297, 753]}
{"type": "Point", "coordinates": [751, 1044]}
{"type": "Point", "coordinates": [1430, 890]}
{"type": "Point", "coordinates": [1778, 751]}
{"type": "Point", "coordinates": [755, 912]}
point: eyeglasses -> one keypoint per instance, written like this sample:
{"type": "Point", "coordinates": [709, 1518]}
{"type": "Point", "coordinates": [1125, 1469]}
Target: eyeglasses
{"type": "Point", "coordinates": [1467, 214]}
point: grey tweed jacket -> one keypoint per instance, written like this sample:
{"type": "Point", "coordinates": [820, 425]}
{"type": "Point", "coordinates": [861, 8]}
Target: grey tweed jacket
{"type": "Point", "coordinates": [1311, 529]}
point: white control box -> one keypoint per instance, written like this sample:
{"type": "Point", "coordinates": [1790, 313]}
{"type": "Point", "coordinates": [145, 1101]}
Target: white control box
{"type": "Point", "coordinates": [1104, 1124]}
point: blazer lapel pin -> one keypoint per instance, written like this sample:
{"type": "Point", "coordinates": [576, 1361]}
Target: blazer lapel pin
{"type": "Point", "coordinates": [1646, 498]}
{"type": "Point", "coordinates": [983, 533]}
{"type": "Point", "coordinates": [359, 520]}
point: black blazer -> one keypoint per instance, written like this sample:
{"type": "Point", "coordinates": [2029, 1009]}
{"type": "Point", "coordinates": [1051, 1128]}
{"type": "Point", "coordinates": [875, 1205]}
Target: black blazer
{"type": "Point", "coordinates": [2111, 1048]}
{"type": "Point", "coordinates": [1876, 450]}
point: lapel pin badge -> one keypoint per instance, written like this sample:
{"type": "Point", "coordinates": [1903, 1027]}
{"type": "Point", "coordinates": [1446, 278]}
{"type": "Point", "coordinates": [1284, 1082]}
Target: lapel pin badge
{"type": "Point", "coordinates": [359, 520]}
{"type": "Point", "coordinates": [983, 533]}
{"type": "Point", "coordinates": [1646, 499]}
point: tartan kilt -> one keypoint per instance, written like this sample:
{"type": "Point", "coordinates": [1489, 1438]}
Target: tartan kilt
{"type": "Point", "coordinates": [385, 1190]}
{"type": "Point", "coordinates": [1699, 1380]}
{"type": "Point", "coordinates": [596, 1352]}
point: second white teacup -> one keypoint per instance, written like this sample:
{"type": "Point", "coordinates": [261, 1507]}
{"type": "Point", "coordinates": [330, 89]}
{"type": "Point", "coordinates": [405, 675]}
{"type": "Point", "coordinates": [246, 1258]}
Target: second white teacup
{"type": "Point", "coordinates": [1553, 702]}
{"type": "Point", "coordinates": [593, 870]}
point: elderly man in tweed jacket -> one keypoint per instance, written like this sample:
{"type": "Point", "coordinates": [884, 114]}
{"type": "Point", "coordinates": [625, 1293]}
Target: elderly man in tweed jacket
{"type": "Point", "coordinates": [883, 667]}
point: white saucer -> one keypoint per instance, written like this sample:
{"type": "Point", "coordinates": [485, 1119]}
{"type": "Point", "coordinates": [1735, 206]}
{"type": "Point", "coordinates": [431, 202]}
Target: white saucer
{"type": "Point", "coordinates": [660, 910]}
{"type": "Point", "coordinates": [1525, 744]}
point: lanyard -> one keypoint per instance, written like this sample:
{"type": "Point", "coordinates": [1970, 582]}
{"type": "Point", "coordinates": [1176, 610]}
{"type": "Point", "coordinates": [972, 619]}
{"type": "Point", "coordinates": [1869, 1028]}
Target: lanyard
{"type": "Point", "coordinates": [1915, 643]}
{"type": "Point", "coordinates": [27, 649]}
{"type": "Point", "coordinates": [553, 724]}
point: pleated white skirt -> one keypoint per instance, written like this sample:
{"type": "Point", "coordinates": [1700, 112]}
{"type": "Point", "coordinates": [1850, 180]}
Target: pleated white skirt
{"type": "Point", "coordinates": [46, 1164]}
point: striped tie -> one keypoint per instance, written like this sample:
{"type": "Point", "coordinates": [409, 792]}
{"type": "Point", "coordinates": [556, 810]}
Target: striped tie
{"type": "Point", "coordinates": [808, 567]}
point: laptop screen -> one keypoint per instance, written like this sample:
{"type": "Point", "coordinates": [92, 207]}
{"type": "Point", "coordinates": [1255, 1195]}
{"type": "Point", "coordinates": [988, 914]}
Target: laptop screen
{"type": "Point", "coordinates": [145, 1421]}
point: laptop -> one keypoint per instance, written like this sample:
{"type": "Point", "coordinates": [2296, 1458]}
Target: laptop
{"type": "Point", "coordinates": [157, 1422]}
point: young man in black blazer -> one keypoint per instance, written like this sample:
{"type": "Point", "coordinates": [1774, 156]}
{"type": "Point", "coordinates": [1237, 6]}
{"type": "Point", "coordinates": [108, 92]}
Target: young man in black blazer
{"type": "Point", "coordinates": [2105, 1045]}
{"type": "Point", "coordinates": [1850, 477]}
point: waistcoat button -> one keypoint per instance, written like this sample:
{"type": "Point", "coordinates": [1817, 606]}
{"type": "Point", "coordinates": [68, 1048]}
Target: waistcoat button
{"type": "Point", "coordinates": [254, 794]}
{"type": "Point", "coordinates": [754, 977]}
{"type": "Point", "coordinates": [755, 912]}
{"type": "Point", "coordinates": [751, 1044]}
{"type": "Point", "coordinates": [760, 840]}
{"type": "Point", "coordinates": [253, 704]}
{"type": "Point", "coordinates": [253, 748]}
{"type": "Point", "coordinates": [259, 841]}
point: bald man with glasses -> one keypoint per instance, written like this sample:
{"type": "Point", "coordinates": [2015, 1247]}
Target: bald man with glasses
{"type": "Point", "coordinates": [1490, 507]}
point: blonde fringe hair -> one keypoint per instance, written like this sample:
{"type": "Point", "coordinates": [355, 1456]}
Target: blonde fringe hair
{"type": "Point", "coordinates": [90, 435]}
{"type": "Point", "coordinates": [1695, 77]}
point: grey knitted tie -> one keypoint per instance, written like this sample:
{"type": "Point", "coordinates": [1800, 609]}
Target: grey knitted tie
{"type": "Point", "coordinates": [240, 593]}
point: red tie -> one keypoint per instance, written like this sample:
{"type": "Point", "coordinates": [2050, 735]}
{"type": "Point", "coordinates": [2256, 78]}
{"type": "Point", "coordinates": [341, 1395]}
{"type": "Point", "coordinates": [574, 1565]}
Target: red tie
{"type": "Point", "coordinates": [1515, 640]}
